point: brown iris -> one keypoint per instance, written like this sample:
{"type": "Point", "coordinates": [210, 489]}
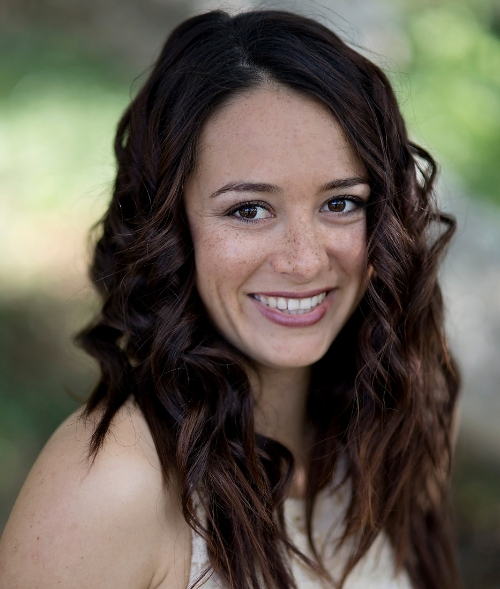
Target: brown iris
{"type": "Point", "coordinates": [248, 212]}
{"type": "Point", "coordinates": [336, 206]}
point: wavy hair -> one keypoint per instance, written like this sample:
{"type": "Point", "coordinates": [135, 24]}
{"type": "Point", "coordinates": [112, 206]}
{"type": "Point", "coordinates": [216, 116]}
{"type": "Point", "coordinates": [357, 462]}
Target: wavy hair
{"type": "Point", "coordinates": [382, 397]}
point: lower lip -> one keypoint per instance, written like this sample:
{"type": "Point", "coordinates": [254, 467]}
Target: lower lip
{"type": "Point", "coordinates": [303, 320]}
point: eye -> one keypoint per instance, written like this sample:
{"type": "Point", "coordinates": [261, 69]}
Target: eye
{"type": "Point", "coordinates": [341, 205]}
{"type": "Point", "coordinates": [251, 212]}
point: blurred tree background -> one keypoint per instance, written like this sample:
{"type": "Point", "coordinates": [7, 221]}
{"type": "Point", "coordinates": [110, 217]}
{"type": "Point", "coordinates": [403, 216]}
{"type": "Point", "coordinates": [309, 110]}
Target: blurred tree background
{"type": "Point", "coordinates": [67, 71]}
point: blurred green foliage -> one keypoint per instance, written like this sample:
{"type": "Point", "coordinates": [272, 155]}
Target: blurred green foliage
{"type": "Point", "coordinates": [476, 499]}
{"type": "Point", "coordinates": [59, 104]}
{"type": "Point", "coordinates": [454, 75]}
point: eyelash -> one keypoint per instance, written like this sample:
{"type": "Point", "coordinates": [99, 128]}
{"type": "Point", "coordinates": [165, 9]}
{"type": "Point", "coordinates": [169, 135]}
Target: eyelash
{"type": "Point", "coordinates": [248, 204]}
{"type": "Point", "coordinates": [360, 204]}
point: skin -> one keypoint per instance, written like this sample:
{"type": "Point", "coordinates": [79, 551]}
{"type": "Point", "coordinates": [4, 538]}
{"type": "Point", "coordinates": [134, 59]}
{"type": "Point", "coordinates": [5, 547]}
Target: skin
{"type": "Point", "coordinates": [104, 525]}
{"type": "Point", "coordinates": [114, 522]}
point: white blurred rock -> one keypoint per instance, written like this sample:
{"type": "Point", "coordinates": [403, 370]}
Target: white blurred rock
{"type": "Point", "coordinates": [471, 285]}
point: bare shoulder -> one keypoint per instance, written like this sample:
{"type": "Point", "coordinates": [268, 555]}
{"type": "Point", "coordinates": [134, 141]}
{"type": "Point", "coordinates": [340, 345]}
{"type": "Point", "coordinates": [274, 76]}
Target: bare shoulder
{"type": "Point", "coordinates": [111, 522]}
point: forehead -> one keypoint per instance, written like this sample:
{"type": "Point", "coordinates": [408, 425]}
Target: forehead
{"type": "Point", "coordinates": [275, 133]}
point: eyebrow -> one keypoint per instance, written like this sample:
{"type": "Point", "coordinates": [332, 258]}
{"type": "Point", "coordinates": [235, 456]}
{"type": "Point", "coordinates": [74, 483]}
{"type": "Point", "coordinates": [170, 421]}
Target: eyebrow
{"type": "Point", "coordinates": [247, 187]}
{"type": "Point", "coordinates": [264, 187]}
{"type": "Point", "coordinates": [344, 183]}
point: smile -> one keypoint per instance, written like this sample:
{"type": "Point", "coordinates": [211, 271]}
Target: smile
{"type": "Point", "coordinates": [289, 310]}
{"type": "Point", "coordinates": [291, 306]}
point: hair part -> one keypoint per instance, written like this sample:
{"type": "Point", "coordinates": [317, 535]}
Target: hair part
{"type": "Point", "coordinates": [387, 407]}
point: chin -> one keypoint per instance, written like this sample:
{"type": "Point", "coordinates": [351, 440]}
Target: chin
{"type": "Point", "coordinates": [289, 359]}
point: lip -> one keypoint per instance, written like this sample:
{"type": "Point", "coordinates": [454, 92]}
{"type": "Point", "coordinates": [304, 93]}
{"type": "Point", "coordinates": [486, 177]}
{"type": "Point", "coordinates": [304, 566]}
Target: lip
{"type": "Point", "coordinates": [305, 320]}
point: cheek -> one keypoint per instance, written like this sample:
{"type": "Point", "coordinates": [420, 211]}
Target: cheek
{"type": "Point", "coordinates": [348, 249]}
{"type": "Point", "coordinates": [225, 259]}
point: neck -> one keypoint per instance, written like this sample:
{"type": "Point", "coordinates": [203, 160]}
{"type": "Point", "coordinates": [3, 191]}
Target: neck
{"type": "Point", "coordinates": [280, 413]}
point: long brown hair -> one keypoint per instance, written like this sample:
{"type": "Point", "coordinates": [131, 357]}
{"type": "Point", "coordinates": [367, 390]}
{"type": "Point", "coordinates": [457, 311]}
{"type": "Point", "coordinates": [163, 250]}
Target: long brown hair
{"type": "Point", "coordinates": [384, 394]}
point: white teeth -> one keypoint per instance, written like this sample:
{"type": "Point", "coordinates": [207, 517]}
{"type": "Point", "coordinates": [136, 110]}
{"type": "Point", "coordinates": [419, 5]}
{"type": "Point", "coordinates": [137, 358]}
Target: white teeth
{"type": "Point", "coordinates": [281, 303]}
{"type": "Point", "coordinates": [292, 306]}
{"type": "Point", "coordinates": [305, 304]}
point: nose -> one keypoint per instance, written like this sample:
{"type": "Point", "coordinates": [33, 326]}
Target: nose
{"type": "Point", "coordinates": [301, 253]}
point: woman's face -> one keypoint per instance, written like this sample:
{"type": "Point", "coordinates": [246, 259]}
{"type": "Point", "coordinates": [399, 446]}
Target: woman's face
{"type": "Point", "coordinates": [276, 212]}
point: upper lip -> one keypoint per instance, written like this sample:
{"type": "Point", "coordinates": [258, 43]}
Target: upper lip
{"type": "Point", "coordinates": [294, 295]}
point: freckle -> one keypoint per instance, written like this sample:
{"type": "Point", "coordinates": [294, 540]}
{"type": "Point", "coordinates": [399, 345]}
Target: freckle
{"type": "Point", "coordinates": [38, 537]}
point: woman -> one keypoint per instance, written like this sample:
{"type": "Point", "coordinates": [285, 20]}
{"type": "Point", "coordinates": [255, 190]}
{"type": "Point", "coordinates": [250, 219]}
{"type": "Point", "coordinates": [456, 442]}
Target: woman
{"type": "Point", "coordinates": [276, 396]}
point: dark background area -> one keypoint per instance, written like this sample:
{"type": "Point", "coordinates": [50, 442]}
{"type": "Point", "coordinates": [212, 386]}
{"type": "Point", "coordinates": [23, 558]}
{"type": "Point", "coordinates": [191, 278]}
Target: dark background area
{"type": "Point", "coordinates": [68, 69]}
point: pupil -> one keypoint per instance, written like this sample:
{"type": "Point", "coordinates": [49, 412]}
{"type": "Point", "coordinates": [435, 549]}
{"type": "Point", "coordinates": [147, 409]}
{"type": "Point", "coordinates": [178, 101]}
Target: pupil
{"type": "Point", "coordinates": [248, 212]}
{"type": "Point", "coordinates": [337, 206]}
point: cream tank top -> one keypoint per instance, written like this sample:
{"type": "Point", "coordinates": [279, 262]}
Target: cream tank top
{"type": "Point", "coordinates": [376, 570]}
